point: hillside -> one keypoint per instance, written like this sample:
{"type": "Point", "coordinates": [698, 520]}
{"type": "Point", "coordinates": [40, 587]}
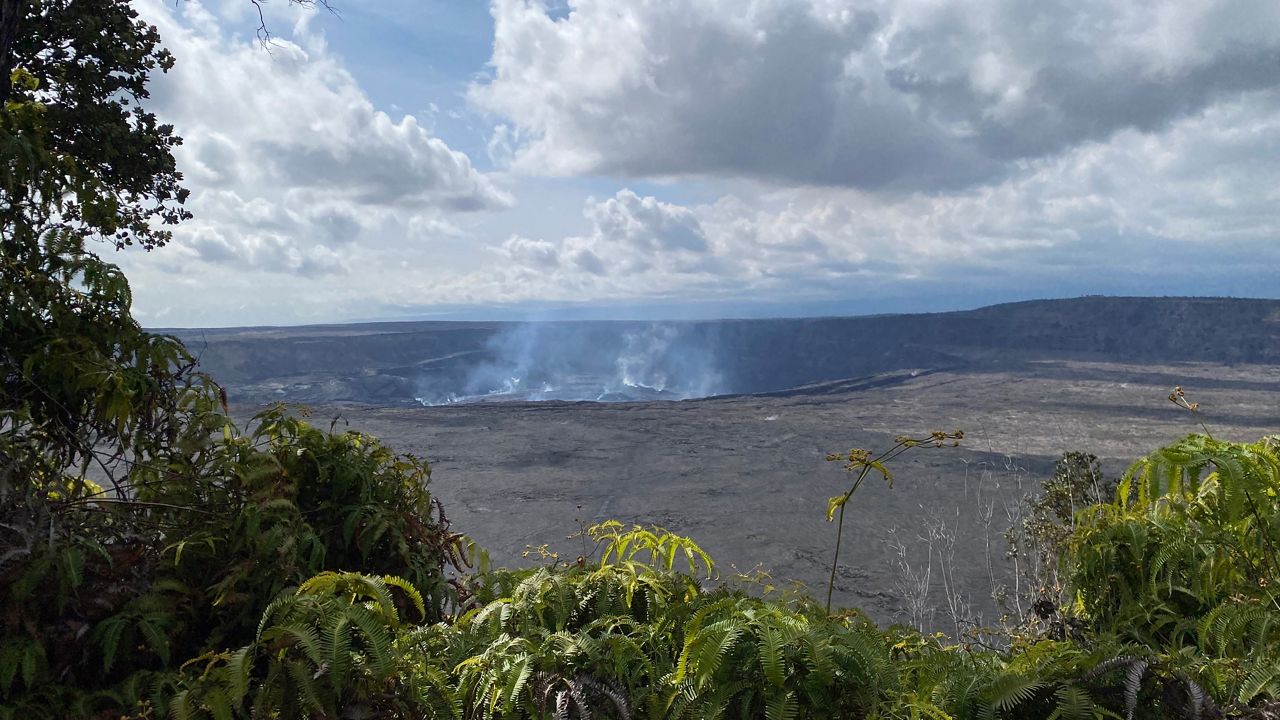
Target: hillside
{"type": "Point", "coordinates": [394, 363]}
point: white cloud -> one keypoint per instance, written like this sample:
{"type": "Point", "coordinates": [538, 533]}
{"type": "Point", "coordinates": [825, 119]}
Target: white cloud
{"type": "Point", "coordinates": [534, 254]}
{"type": "Point", "coordinates": [904, 94]}
{"type": "Point", "coordinates": [804, 150]}
{"type": "Point", "coordinates": [292, 168]}
{"type": "Point", "coordinates": [1186, 208]}
{"type": "Point", "coordinates": [264, 250]}
{"type": "Point", "coordinates": [629, 235]}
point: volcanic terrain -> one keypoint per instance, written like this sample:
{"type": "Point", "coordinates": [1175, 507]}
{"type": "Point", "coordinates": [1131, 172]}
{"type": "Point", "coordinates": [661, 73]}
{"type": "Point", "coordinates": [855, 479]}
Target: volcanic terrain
{"type": "Point", "coordinates": [743, 469]}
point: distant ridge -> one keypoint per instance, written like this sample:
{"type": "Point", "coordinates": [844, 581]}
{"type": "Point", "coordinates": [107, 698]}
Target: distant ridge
{"type": "Point", "coordinates": [383, 363]}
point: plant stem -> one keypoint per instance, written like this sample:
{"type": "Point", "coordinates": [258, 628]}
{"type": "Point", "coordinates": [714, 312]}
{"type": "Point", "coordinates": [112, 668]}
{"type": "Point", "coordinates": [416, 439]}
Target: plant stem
{"type": "Point", "coordinates": [1203, 426]}
{"type": "Point", "coordinates": [1264, 529]}
{"type": "Point", "coordinates": [836, 560]}
{"type": "Point", "coordinates": [137, 503]}
{"type": "Point", "coordinates": [863, 461]}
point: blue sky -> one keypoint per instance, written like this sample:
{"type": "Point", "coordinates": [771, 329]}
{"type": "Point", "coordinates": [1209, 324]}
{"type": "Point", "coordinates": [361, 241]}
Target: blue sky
{"type": "Point", "coordinates": [408, 56]}
{"type": "Point", "coordinates": [672, 158]}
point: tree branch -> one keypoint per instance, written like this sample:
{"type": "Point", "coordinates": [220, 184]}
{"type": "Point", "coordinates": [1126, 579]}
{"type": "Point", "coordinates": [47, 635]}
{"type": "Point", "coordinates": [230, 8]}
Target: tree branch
{"type": "Point", "coordinates": [10, 10]}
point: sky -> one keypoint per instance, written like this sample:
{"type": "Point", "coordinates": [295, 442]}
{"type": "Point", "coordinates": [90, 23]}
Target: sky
{"type": "Point", "coordinates": [529, 159]}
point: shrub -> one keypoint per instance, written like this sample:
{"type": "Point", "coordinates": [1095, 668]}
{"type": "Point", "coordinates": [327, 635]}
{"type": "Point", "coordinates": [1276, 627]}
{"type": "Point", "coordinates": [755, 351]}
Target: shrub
{"type": "Point", "coordinates": [1184, 561]}
{"type": "Point", "coordinates": [183, 556]}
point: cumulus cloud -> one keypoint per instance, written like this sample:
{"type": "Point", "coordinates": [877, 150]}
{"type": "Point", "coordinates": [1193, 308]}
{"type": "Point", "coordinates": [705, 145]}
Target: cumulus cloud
{"type": "Point", "coordinates": [263, 250]}
{"type": "Point", "coordinates": [1191, 209]}
{"type": "Point", "coordinates": [902, 94]}
{"type": "Point", "coordinates": [535, 254]}
{"type": "Point", "coordinates": [803, 150]}
{"type": "Point", "coordinates": [630, 235]}
{"type": "Point", "coordinates": [292, 168]}
{"type": "Point", "coordinates": [646, 225]}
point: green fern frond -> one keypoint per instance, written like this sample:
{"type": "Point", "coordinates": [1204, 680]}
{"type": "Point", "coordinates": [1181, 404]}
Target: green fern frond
{"type": "Point", "coordinates": [1073, 703]}
{"type": "Point", "coordinates": [1263, 679]}
{"type": "Point", "coordinates": [770, 650]}
{"type": "Point", "coordinates": [1010, 691]}
{"type": "Point", "coordinates": [782, 706]}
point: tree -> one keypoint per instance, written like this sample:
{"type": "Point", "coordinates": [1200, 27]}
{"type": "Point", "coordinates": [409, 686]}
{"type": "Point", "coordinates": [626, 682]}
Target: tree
{"type": "Point", "coordinates": [98, 163]}
{"type": "Point", "coordinates": [80, 382]}
{"type": "Point", "coordinates": [139, 526]}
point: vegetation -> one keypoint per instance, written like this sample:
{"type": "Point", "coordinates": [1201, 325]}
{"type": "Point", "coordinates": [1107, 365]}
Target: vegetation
{"type": "Point", "coordinates": [1040, 537]}
{"type": "Point", "coordinates": [158, 560]}
{"type": "Point", "coordinates": [139, 527]}
{"type": "Point", "coordinates": [860, 463]}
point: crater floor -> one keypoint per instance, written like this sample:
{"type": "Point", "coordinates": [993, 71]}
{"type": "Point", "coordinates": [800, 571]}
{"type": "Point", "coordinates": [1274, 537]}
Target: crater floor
{"type": "Point", "coordinates": [746, 475]}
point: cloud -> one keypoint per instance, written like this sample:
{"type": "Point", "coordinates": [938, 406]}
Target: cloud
{"type": "Point", "coordinates": [1190, 210]}
{"type": "Point", "coordinates": [535, 254]}
{"type": "Point", "coordinates": [909, 95]}
{"type": "Point", "coordinates": [629, 235]}
{"type": "Point", "coordinates": [812, 152]}
{"type": "Point", "coordinates": [646, 225]}
{"type": "Point", "coordinates": [265, 250]}
{"type": "Point", "coordinates": [292, 168]}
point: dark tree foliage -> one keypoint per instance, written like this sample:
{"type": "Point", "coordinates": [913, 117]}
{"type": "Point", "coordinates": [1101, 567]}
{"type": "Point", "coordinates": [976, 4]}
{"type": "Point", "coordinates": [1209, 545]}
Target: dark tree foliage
{"type": "Point", "coordinates": [81, 385]}
{"type": "Point", "coordinates": [109, 162]}
{"type": "Point", "coordinates": [10, 10]}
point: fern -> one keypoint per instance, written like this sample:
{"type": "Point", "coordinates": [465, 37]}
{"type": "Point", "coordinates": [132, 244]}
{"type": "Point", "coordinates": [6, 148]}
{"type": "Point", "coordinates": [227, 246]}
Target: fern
{"type": "Point", "coordinates": [1262, 679]}
{"type": "Point", "coordinates": [1073, 703]}
{"type": "Point", "coordinates": [1011, 691]}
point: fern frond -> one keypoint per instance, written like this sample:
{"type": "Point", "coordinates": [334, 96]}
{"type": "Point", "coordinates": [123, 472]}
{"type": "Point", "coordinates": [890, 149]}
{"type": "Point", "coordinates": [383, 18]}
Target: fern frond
{"type": "Point", "coordinates": [782, 706]}
{"type": "Point", "coordinates": [1262, 679]}
{"type": "Point", "coordinates": [1010, 691]}
{"type": "Point", "coordinates": [770, 650]}
{"type": "Point", "coordinates": [1073, 703]}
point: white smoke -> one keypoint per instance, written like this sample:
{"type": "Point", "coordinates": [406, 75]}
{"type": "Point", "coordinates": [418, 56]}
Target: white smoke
{"type": "Point", "coordinates": [640, 363]}
{"type": "Point", "coordinates": [604, 362]}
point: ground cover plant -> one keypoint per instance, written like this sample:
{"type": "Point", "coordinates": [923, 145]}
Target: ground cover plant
{"type": "Point", "coordinates": [159, 560]}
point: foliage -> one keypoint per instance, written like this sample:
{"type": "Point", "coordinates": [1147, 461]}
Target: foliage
{"type": "Point", "coordinates": [131, 587]}
{"type": "Point", "coordinates": [1193, 526]}
{"type": "Point", "coordinates": [635, 636]}
{"type": "Point", "coordinates": [1042, 533]}
{"type": "Point", "coordinates": [1184, 560]}
{"type": "Point", "coordinates": [627, 638]}
{"type": "Point", "coordinates": [80, 383]}
{"type": "Point", "coordinates": [861, 463]}
{"type": "Point", "coordinates": [139, 526]}
{"type": "Point", "coordinates": [90, 159]}
{"type": "Point", "coordinates": [82, 387]}
{"type": "Point", "coordinates": [326, 648]}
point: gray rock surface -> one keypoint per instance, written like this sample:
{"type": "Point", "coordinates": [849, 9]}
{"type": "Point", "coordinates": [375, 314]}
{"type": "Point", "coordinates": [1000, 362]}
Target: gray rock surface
{"type": "Point", "coordinates": [746, 476]}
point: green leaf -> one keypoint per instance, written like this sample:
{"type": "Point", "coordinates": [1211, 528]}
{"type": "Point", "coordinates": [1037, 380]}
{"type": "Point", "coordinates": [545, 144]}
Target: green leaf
{"type": "Point", "coordinates": [835, 503]}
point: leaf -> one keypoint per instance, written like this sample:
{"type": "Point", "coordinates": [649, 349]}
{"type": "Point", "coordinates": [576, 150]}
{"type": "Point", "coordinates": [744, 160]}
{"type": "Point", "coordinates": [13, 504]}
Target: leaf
{"type": "Point", "coordinates": [884, 471]}
{"type": "Point", "coordinates": [770, 649]}
{"type": "Point", "coordinates": [32, 661]}
{"type": "Point", "coordinates": [110, 632]}
{"type": "Point", "coordinates": [835, 503]}
{"type": "Point", "coordinates": [1073, 703]}
{"type": "Point", "coordinates": [156, 639]}
{"type": "Point", "coordinates": [782, 706]}
{"type": "Point", "coordinates": [519, 676]}
{"type": "Point", "coordinates": [1010, 691]}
